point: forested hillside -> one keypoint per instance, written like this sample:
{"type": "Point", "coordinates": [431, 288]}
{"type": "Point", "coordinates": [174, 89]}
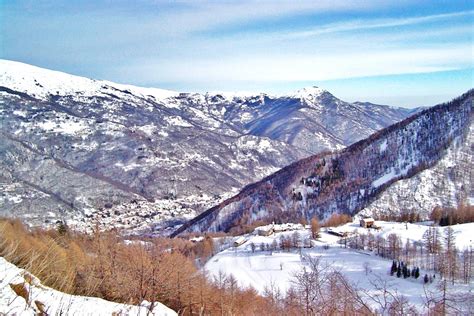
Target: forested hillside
{"type": "Point", "coordinates": [346, 181]}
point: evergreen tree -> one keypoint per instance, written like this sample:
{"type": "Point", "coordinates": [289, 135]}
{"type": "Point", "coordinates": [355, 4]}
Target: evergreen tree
{"type": "Point", "coordinates": [394, 267]}
{"type": "Point", "coordinates": [405, 272]}
{"type": "Point", "coordinates": [417, 273]}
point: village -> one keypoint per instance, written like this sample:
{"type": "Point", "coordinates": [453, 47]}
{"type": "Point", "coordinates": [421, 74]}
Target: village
{"type": "Point", "coordinates": [364, 251]}
{"type": "Point", "coordinates": [270, 229]}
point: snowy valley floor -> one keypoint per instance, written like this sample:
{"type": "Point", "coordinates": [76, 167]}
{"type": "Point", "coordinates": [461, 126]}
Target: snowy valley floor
{"type": "Point", "coordinates": [363, 269]}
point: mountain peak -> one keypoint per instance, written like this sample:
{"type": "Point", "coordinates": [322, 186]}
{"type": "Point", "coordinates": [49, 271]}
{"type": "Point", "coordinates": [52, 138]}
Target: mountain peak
{"type": "Point", "coordinates": [312, 94]}
{"type": "Point", "coordinates": [313, 91]}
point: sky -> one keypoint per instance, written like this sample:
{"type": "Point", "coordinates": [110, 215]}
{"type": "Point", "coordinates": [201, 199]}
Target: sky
{"type": "Point", "coordinates": [401, 53]}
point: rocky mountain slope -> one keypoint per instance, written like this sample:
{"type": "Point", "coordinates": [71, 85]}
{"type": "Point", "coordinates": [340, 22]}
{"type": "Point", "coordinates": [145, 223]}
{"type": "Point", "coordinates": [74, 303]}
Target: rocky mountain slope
{"type": "Point", "coordinates": [86, 150]}
{"type": "Point", "coordinates": [424, 149]}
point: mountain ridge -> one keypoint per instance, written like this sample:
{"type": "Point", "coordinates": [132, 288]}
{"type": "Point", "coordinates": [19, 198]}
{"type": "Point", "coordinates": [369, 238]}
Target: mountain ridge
{"type": "Point", "coordinates": [163, 155]}
{"type": "Point", "coordinates": [275, 189]}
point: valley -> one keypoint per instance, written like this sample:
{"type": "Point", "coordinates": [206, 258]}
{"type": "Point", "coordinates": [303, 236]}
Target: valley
{"type": "Point", "coordinates": [91, 152]}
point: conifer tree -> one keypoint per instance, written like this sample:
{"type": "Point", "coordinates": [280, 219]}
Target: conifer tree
{"type": "Point", "coordinates": [394, 268]}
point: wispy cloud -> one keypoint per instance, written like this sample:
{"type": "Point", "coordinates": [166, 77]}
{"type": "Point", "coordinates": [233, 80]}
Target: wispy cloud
{"type": "Point", "coordinates": [375, 24]}
{"type": "Point", "coordinates": [196, 16]}
{"type": "Point", "coordinates": [280, 68]}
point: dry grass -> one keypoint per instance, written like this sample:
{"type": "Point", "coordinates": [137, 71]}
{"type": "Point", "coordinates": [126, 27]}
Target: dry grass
{"type": "Point", "coordinates": [42, 254]}
{"type": "Point", "coordinates": [102, 265]}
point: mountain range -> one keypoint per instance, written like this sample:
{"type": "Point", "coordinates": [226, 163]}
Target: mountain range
{"type": "Point", "coordinates": [92, 152]}
{"type": "Point", "coordinates": [413, 165]}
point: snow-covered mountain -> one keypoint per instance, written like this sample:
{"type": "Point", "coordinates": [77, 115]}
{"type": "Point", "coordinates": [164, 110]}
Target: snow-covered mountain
{"type": "Point", "coordinates": [432, 150]}
{"type": "Point", "coordinates": [85, 150]}
{"type": "Point", "coordinates": [449, 183]}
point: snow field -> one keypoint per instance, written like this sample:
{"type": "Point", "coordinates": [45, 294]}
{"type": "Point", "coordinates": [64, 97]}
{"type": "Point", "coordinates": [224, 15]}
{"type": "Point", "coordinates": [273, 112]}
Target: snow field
{"type": "Point", "coordinates": [362, 268]}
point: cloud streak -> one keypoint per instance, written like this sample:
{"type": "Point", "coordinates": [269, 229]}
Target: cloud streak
{"type": "Point", "coordinates": [376, 24]}
{"type": "Point", "coordinates": [287, 68]}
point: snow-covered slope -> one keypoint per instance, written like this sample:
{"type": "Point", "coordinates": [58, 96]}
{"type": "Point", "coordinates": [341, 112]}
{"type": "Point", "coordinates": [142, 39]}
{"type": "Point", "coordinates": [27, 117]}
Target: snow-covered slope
{"type": "Point", "coordinates": [41, 83]}
{"type": "Point", "coordinates": [33, 298]}
{"type": "Point", "coordinates": [348, 180]}
{"type": "Point", "coordinates": [89, 150]}
{"type": "Point", "coordinates": [276, 269]}
{"type": "Point", "coordinates": [447, 184]}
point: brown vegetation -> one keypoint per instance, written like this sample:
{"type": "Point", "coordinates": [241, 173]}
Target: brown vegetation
{"type": "Point", "coordinates": [337, 219]}
{"type": "Point", "coordinates": [102, 265]}
{"type": "Point", "coordinates": [410, 216]}
{"type": "Point", "coordinates": [164, 270]}
{"type": "Point", "coordinates": [451, 216]}
{"type": "Point", "coordinates": [315, 226]}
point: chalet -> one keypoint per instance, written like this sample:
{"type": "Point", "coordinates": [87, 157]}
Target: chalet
{"type": "Point", "coordinates": [367, 222]}
{"type": "Point", "coordinates": [239, 241]}
{"type": "Point", "coordinates": [338, 233]}
{"type": "Point", "coordinates": [264, 230]}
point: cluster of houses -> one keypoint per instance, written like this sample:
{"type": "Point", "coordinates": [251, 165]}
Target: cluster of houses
{"type": "Point", "coordinates": [268, 230]}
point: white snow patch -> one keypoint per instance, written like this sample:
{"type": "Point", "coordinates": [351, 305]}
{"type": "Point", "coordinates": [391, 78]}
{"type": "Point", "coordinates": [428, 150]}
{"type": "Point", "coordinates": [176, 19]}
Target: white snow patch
{"type": "Point", "coordinates": [383, 146]}
{"type": "Point", "coordinates": [20, 113]}
{"type": "Point", "coordinates": [385, 178]}
{"type": "Point", "coordinates": [147, 129]}
{"type": "Point", "coordinates": [69, 128]}
{"type": "Point", "coordinates": [163, 133]}
{"type": "Point", "coordinates": [178, 121]}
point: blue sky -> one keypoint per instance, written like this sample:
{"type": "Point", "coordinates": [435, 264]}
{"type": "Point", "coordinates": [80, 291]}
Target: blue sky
{"type": "Point", "coordinates": [404, 53]}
